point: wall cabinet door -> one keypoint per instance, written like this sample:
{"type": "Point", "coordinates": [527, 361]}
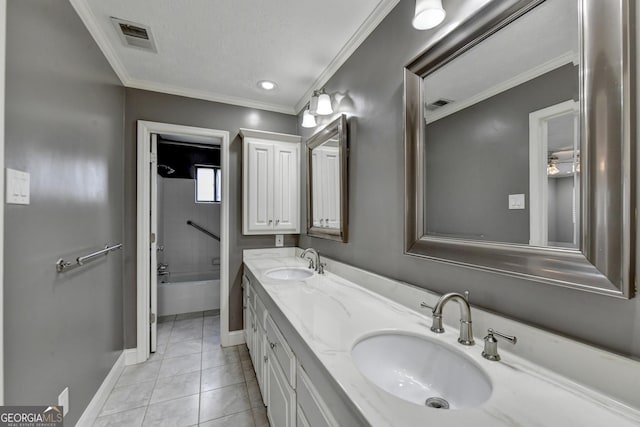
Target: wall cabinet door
{"type": "Point", "coordinates": [281, 405]}
{"type": "Point", "coordinates": [271, 183]}
{"type": "Point", "coordinates": [259, 186]}
{"type": "Point", "coordinates": [286, 193]}
{"type": "Point", "coordinates": [326, 187]}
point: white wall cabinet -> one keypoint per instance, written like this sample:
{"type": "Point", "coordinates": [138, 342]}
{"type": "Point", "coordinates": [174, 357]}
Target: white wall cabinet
{"type": "Point", "coordinates": [326, 187]}
{"type": "Point", "coordinates": [271, 183]}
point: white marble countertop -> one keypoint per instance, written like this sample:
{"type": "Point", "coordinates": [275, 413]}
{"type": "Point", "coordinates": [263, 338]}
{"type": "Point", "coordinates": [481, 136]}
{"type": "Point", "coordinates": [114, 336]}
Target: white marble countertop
{"type": "Point", "coordinates": [331, 314]}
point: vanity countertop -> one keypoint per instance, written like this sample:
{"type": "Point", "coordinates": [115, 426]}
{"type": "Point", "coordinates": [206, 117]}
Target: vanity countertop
{"type": "Point", "coordinates": [332, 314]}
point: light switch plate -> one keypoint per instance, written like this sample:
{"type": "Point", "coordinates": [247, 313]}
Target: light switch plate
{"type": "Point", "coordinates": [516, 201]}
{"type": "Point", "coordinates": [279, 240]}
{"type": "Point", "coordinates": [17, 188]}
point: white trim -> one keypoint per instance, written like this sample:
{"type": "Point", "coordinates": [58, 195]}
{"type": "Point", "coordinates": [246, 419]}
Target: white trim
{"type": "Point", "coordinates": [538, 153]}
{"type": "Point", "coordinates": [3, 35]}
{"type": "Point", "coordinates": [91, 22]}
{"type": "Point", "coordinates": [130, 356]}
{"type": "Point", "coordinates": [207, 96]}
{"type": "Point", "coordinates": [454, 107]}
{"type": "Point", "coordinates": [145, 129]}
{"type": "Point", "coordinates": [371, 23]}
{"type": "Point", "coordinates": [93, 409]}
{"type": "Point", "coordinates": [235, 338]}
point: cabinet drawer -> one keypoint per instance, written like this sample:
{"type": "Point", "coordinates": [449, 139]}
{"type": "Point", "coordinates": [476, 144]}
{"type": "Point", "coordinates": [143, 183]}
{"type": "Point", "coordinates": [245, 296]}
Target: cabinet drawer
{"type": "Point", "coordinates": [314, 409]}
{"type": "Point", "coordinates": [281, 350]}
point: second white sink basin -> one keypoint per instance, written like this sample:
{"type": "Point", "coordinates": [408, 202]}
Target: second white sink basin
{"type": "Point", "coordinates": [421, 371]}
{"type": "Point", "coordinates": [289, 273]}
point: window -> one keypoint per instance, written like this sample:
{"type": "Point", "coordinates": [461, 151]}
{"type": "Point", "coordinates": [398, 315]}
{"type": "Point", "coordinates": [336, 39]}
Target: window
{"type": "Point", "coordinates": [208, 188]}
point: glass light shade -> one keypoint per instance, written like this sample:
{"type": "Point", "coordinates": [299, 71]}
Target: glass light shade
{"type": "Point", "coordinates": [324, 105]}
{"type": "Point", "coordinates": [429, 14]}
{"type": "Point", "coordinates": [308, 121]}
{"type": "Point", "coordinates": [552, 169]}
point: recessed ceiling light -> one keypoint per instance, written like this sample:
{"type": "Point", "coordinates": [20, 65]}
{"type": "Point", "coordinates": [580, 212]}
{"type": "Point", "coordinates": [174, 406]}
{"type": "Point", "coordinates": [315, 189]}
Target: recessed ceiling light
{"type": "Point", "coordinates": [267, 85]}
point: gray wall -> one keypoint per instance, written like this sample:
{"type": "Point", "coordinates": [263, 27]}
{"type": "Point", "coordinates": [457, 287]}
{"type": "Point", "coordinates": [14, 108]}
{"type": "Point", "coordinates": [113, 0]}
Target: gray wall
{"type": "Point", "coordinates": [64, 125]}
{"type": "Point", "coordinates": [153, 106]}
{"type": "Point", "coordinates": [185, 248]}
{"type": "Point", "coordinates": [373, 78]}
{"type": "Point", "coordinates": [471, 168]}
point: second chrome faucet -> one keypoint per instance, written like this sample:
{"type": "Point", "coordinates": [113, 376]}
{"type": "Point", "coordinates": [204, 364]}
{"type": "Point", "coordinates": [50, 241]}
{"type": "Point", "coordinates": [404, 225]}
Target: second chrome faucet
{"type": "Point", "coordinates": [466, 331]}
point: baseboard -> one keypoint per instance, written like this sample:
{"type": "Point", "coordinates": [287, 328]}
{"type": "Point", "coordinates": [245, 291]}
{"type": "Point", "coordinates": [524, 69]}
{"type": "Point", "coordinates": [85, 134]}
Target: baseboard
{"type": "Point", "coordinates": [234, 338]}
{"type": "Point", "coordinates": [93, 409]}
{"type": "Point", "coordinates": [130, 356]}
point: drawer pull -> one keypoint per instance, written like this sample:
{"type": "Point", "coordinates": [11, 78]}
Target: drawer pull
{"type": "Point", "coordinates": [265, 359]}
{"type": "Point", "coordinates": [272, 344]}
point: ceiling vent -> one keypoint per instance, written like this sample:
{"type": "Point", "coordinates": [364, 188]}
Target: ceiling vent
{"type": "Point", "coordinates": [438, 104]}
{"type": "Point", "coordinates": [134, 35]}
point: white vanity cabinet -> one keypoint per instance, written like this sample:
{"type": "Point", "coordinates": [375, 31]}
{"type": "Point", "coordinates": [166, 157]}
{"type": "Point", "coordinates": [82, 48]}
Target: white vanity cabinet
{"type": "Point", "coordinates": [271, 182]}
{"type": "Point", "coordinates": [287, 391]}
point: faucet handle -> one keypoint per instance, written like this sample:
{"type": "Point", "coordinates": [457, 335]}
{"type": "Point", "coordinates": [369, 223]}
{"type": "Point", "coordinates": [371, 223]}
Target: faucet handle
{"type": "Point", "coordinates": [466, 295]}
{"type": "Point", "coordinates": [490, 351]}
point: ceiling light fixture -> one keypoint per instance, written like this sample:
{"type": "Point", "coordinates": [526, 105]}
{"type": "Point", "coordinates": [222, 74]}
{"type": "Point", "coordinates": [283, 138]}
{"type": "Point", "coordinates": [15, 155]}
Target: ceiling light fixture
{"type": "Point", "coordinates": [267, 85]}
{"type": "Point", "coordinates": [308, 120]}
{"type": "Point", "coordinates": [428, 14]}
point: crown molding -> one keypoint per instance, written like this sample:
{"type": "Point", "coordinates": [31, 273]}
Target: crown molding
{"type": "Point", "coordinates": [373, 20]}
{"type": "Point", "coordinates": [208, 96]}
{"type": "Point", "coordinates": [90, 21]}
{"type": "Point", "coordinates": [454, 107]}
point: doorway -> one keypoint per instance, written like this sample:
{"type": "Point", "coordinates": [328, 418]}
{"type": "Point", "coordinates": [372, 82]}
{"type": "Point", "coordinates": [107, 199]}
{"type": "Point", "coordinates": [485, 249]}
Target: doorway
{"type": "Point", "coordinates": [150, 135]}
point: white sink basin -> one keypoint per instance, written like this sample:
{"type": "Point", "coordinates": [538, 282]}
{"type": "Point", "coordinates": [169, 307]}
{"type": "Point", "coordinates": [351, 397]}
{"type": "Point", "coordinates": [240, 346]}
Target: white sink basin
{"type": "Point", "coordinates": [289, 273]}
{"type": "Point", "coordinates": [416, 368]}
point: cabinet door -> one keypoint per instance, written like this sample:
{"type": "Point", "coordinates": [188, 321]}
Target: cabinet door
{"type": "Point", "coordinates": [316, 189]}
{"type": "Point", "coordinates": [331, 175]}
{"type": "Point", "coordinates": [286, 190]}
{"type": "Point", "coordinates": [261, 372]}
{"type": "Point", "coordinates": [258, 191]}
{"type": "Point", "coordinates": [281, 406]}
{"type": "Point", "coordinates": [249, 332]}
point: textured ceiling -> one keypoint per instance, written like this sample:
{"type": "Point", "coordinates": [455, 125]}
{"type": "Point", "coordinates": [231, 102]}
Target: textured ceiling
{"type": "Point", "coordinates": [219, 50]}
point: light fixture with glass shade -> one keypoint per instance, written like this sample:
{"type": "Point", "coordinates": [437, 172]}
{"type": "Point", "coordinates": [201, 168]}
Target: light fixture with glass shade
{"type": "Point", "coordinates": [324, 103]}
{"type": "Point", "coordinates": [308, 120]}
{"type": "Point", "coordinates": [428, 14]}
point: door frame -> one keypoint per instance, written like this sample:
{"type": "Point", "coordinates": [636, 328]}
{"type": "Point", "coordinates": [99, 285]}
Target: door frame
{"type": "Point", "coordinates": [538, 153]}
{"type": "Point", "coordinates": [145, 129]}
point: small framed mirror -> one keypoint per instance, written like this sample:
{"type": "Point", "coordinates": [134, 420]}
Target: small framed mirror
{"type": "Point", "coordinates": [327, 201]}
{"type": "Point", "coordinates": [519, 144]}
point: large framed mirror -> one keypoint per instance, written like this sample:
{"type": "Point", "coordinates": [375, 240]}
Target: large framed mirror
{"type": "Point", "coordinates": [327, 202]}
{"type": "Point", "coordinates": [519, 144]}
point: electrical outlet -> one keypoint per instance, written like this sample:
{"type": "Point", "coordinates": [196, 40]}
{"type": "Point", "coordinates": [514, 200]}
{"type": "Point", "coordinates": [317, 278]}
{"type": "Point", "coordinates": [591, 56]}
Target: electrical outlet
{"type": "Point", "coordinates": [279, 240]}
{"type": "Point", "coordinates": [63, 400]}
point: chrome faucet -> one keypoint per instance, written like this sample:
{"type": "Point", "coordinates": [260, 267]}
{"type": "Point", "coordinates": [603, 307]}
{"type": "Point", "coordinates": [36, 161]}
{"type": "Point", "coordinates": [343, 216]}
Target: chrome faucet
{"type": "Point", "coordinates": [466, 333]}
{"type": "Point", "coordinates": [315, 261]}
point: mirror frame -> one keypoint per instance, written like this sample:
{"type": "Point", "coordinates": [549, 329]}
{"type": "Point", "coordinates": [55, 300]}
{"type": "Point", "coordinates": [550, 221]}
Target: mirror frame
{"type": "Point", "coordinates": [605, 262]}
{"type": "Point", "coordinates": [337, 127]}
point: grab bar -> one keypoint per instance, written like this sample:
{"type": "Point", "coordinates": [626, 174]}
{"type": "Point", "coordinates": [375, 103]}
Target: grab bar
{"type": "Point", "coordinates": [202, 229]}
{"type": "Point", "coordinates": [63, 265]}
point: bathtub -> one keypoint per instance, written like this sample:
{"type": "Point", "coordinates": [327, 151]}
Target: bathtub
{"type": "Point", "coordinates": [188, 292]}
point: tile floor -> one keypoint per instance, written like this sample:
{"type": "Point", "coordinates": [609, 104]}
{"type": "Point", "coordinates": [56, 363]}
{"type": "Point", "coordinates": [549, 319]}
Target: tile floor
{"type": "Point", "coordinates": [189, 381]}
